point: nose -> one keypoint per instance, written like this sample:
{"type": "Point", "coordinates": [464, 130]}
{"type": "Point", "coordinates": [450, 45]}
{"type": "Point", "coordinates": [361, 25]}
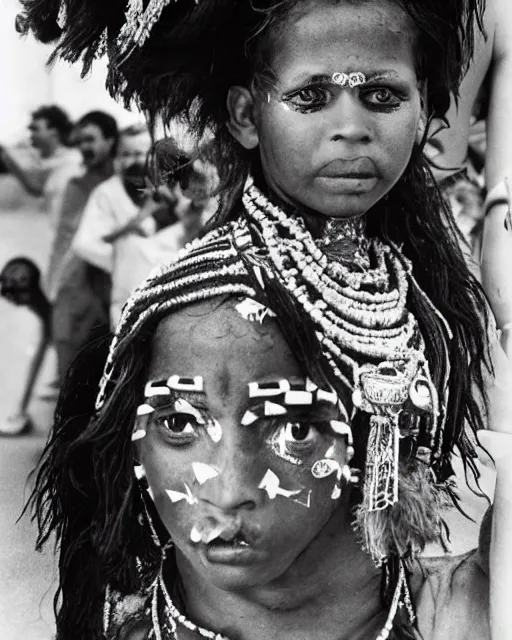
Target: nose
{"type": "Point", "coordinates": [235, 487]}
{"type": "Point", "coordinates": [350, 119]}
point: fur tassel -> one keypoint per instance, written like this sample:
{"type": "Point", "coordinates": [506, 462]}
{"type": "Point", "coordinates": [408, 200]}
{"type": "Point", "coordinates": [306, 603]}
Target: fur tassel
{"type": "Point", "coordinates": [411, 523]}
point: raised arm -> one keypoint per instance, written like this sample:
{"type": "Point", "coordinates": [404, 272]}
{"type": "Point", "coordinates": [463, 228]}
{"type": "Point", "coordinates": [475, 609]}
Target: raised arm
{"type": "Point", "coordinates": [497, 241]}
{"type": "Point", "coordinates": [32, 178]}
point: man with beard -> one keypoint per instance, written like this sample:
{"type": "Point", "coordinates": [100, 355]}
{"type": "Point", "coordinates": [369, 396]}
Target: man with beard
{"type": "Point", "coordinates": [70, 283]}
{"type": "Point", "coordinates": [116, 203]}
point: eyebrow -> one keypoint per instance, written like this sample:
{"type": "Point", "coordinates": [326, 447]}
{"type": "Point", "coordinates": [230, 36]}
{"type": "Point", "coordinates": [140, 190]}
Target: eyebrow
{"type": "Point", "coordinates": [382, 74]}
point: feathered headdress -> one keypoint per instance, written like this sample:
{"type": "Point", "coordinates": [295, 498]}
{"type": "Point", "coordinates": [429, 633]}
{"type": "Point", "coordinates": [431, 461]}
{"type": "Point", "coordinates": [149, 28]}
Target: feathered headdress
{"type": "Point", "coordinates": [167, 55]}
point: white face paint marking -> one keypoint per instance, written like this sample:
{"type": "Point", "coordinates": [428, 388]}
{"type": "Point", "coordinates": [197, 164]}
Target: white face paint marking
{"type": "Point", "coordinates": [178, 496]}
{"type": "Point", "coordinates": [303, 499]}
{"type": "Point", "coordinates": [214, 430]}
{"type": "Point", "coordinates": [144, 410]}
{"type": "Point", "coordinates": [178, 383]}
{"type": "Point", "coordinates": [327, 396]}
{"type": "Point", "coordinates": [330, 451]}
{"type": "Point", "coordinates": [341, 429]}
{"type": "Point", "coordinates": [195, 535]}
{"type": "Point", "coordinates": [208, 536]}
{"type": "Point", "coordinates": [248, 418]}
{"type": "Point", "coordinates": [253, 310]}
{"type": "Point", "coordinates": [182, 406]}
{"type": "Point", "coordinates": [139, 471]}
{"type": "Point", "coordinates": [310, 385]}
{"type": "Point", "coordinates": [150, 390]}
{"type": "Point", "coordinates": [336, 492]}
{"type": "Point", "coordinates": [273, 409]}
{"type": "Point", "coordinates": [150, 493]}
{"type": "Point", "coordinates": [203, 472]}
{"type": "Point", "coordinates": [270, 483]}
{"type": "Point", "coordinates": [324, 468]}
{"type": "Point", "coordinates": [276, 389]}
{"type": "Point", "coordinates": [138, 435]}
{"type": "Point", "coordinates": [298, 397]}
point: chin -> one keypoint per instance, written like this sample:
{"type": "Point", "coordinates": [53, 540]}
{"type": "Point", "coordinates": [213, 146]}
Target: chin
{"type": "Point", "coordinates": [236, 579]}
{"type": "Point", "coordinates": [346, 206]}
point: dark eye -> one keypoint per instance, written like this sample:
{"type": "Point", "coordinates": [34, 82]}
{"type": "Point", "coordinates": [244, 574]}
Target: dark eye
{"type": "Point", "coordinates": [298, 432]}
{"type": "Point", "coordinates": [309, 98]}
{"type": "Point", "coordinates": [382, 97]}
{"type": "Point", "coordinates": [180, 428]}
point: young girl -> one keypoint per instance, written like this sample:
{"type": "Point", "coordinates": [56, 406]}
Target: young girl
{"type": "Point", "coordinates": [269, 448]}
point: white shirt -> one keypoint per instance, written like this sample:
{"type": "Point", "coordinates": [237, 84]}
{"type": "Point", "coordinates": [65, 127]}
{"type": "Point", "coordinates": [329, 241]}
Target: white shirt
{"type": "Point", "coordinates": [108, 208]}
{"type": "Point", "coordinates": [63, 165]}
{"type": "Point", "coordinates": [135, 258]}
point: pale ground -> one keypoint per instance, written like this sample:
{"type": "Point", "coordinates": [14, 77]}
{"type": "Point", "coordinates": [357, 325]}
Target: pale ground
{"type": "Point", "coordinates": [27, 578]}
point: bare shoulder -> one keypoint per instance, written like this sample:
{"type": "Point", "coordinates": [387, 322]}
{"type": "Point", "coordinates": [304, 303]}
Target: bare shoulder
{"type": "Point", "coordinates": [452, 598]}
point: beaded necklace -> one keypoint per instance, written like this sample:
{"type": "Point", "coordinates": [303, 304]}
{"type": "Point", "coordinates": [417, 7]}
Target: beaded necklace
{"type": "Point", "coordinates": [172, 618]}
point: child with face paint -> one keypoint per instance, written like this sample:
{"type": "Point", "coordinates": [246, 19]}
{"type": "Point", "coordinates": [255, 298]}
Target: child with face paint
{"type": "Point", "coordinates": [269, 449]}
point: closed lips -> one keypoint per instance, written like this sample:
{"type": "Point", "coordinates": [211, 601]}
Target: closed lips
{"type": "Point", "coordinates": [357, 169]}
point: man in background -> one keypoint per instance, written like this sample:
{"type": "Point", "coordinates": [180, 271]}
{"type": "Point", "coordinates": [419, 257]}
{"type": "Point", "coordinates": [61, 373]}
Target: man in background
{"type": "Point", "coordinates": [77, 309]}
{"type": "Point", "coordinates": [117, 202]}
{"type": "Point", "coordinates": [45, 173]}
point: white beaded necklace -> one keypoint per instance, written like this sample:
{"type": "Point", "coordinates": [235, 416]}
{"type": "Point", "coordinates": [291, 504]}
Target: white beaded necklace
{"type": "Point", "coordinates": [375, 324]}
{"type": "Point", "coordinates": [173, 617]}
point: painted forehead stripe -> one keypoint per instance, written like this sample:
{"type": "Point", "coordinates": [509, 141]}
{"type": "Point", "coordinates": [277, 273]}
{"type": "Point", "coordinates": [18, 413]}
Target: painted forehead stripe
{"type": "Point", "coordinates": [179, 383]}
{"type": "Point", "coordinates": [176, 383]}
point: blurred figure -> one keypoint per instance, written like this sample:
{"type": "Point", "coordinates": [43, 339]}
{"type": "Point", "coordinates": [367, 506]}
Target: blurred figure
{"type": "Point", "coordinates": [71, 281]}
{"type": "Point", "coordinates": [54, 162]}
{"type": "Point", "coordinates": [186, 197]}
{"type": "Point", "coordinates": [20, 284]}
{"type": "Point", "coordinates": [118, 202]}
{"type": "Point", "coordinates": [491, 69]}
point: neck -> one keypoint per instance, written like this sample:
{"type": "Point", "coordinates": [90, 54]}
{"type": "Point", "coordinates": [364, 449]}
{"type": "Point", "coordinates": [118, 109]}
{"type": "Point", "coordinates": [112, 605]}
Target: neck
{"type": "Point", "coordinates": [50, 148]}
{"type": "Point", "coordinates": [103, 170]}
{"type": "Point", "coordinates": [332, 585]}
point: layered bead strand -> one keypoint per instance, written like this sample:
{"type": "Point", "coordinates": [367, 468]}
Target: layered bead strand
{"type": "Point", "coordinates": [375, 325]}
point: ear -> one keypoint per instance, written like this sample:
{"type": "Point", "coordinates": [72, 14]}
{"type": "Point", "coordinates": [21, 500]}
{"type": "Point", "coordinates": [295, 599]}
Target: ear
{"type": "Point", "coordinates": [241, 123]}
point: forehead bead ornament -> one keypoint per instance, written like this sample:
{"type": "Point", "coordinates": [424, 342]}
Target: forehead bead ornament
{"type": "Point", "coordinates": [351, 79]}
